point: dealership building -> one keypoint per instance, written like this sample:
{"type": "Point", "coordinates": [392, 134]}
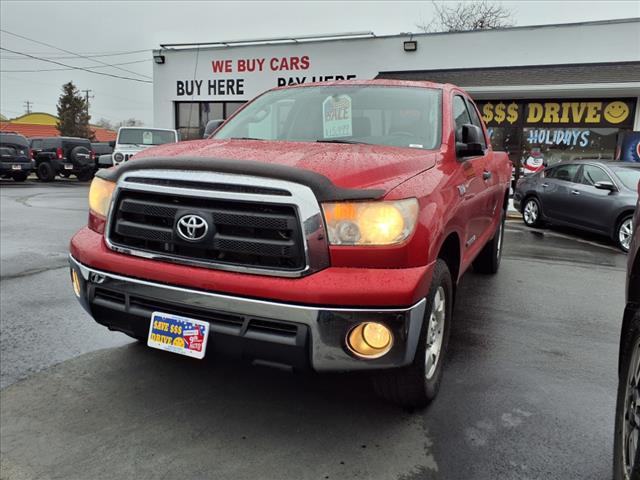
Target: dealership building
{"type": "Point", "coordinates": [558, 91]}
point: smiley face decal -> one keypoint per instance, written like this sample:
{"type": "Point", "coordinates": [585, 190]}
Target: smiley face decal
{"type": "Point", "coordinates": [616, 112]}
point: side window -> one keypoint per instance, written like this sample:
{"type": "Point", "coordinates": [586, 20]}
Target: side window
{"type": "Point", "coordinates": [592, 174]}
{"type": "Point", "coordinates": [566, 173]}
{"type": "Point", "coordinates": [475, 119]}
{"type": "Point", "coordinates": [36, 144]}
{"type": "Point", "coordinates": [460, 114]}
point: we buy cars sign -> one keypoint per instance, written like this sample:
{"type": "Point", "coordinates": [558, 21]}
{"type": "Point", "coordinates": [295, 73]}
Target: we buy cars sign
{"type": "Point", "coordinates": [236, 77]}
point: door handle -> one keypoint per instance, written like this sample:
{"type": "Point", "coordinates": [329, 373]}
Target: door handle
{"type": "Point", "coordinates": [575, 192]}
{"type": "Point", "coordinates": [486, 175]}
{"type": "Point", "coordinates": [544, 185]}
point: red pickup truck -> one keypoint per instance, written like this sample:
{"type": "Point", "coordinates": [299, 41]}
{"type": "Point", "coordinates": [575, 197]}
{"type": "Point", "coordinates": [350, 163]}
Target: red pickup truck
{"type": "Point", "coordinates": [323, 226]}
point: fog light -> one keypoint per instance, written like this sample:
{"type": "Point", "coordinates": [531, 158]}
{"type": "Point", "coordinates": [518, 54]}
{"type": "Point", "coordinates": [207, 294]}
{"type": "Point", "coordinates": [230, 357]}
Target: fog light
{"type": "Point", "coordinates": [370, 340]}
{"type": "Point", "coordinates": [75, 281]}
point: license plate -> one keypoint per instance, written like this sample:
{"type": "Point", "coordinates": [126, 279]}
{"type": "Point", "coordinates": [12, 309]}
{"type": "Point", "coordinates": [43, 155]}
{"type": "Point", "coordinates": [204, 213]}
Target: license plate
{"type": "Point", "coordinates": [16, 167]}
{"type": "Point", "coordinates": [173, 333]}
{"type": "Point", "coordinates": [68, 167]}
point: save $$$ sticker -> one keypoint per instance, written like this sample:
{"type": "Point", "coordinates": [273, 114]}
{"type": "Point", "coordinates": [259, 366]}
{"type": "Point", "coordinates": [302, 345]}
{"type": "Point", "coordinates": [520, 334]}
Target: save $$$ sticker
{"type": "Point", "coordinates": [336, 116]}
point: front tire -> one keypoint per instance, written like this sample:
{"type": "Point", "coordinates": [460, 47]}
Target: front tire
{"type": "Point", "coordinates": [531, 212]}
{"type": "Point", "coordinates": [626, 457]}
{"type": "Point", "coordinates": [416, 385]}
{"type": "Point", "coordinates": [624, 232]}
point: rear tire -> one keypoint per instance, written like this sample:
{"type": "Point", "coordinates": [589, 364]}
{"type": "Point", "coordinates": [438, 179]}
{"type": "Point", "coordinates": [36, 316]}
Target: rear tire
{"type": "Point", "coordinates": [85, 175]}
{"type": "Point", "coordinates": [45, 172]}
{"type": "Point", "coordinates": [531, 212]}
{"type": "Point", "coordinates": [488, 260]}
{"type": "Point", "coordinates": [416, 385]}
{"type": "Point", "coordinates": [622, 467]}
{"type": "Point", "coordinates": [20, 177]}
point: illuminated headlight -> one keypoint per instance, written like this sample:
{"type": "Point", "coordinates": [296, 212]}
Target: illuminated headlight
{"type": "Point", "coordinates": [118, 157]}
{"type": "Point", "coordinates": [370, 223]}
{"type": "Point", "coordinates": [100, 196]}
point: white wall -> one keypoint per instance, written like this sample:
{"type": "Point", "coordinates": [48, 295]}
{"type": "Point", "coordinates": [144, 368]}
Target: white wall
{"type": "Point", "coordinates": [365, 58]}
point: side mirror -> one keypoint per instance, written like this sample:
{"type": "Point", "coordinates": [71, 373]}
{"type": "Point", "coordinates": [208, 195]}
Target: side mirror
{"type": "Point", "coordinates": [212, 126]}
{"type": "Point", "coordinates": [471, 141]}
{"type": "Point", "coordinates": [605, 186]}
{"type": "Point", "coordinates": [112, 144]}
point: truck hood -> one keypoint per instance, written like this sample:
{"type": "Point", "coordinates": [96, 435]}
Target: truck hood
{"type": "Point", "coordinates": [347, 166]}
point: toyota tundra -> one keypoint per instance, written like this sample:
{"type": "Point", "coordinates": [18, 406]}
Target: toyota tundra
{"type": "Point", "coordinates": [323, 226]}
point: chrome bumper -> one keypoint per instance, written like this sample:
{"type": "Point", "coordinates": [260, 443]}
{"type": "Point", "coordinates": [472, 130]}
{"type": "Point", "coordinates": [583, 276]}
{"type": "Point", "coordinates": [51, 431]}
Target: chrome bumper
{"type": "Point", "coordinates": [327, 327]}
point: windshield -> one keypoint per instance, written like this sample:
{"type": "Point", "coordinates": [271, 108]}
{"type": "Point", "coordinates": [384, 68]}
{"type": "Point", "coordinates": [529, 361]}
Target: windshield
{"type": "Point", "coordinates": [628, 176]}
{"type": "Point", "coordinates": [377, 115]}
{"type": "Point", "coordinates": [144, 136]}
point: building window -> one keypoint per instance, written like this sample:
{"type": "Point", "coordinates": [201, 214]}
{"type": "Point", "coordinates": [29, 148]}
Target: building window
{"type": "Point", "coordinates": [538, 133]}
{"type": "Point", "coordinates": [192, 117]}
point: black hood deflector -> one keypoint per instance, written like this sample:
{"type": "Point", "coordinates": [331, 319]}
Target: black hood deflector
{"type": "Point", "coordinates": [322, 187]}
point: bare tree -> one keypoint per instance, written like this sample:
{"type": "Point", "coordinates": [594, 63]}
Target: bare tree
{"type": "Point", "coordinates": [104, 123]}
{"type": "Point", "coordinates": [130, 122]}
{"type": "Point", "coordinates": [465, 16]}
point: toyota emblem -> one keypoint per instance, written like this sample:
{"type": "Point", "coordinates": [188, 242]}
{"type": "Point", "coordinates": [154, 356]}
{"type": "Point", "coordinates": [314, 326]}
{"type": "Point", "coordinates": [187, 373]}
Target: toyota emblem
{"type": "Point", "coordinates": [192, 227]}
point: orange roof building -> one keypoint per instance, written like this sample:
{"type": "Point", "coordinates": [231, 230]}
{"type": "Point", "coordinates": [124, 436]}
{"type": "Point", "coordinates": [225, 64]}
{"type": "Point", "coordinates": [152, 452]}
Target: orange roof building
{"type": "Point", "coordinates": [39, 124]}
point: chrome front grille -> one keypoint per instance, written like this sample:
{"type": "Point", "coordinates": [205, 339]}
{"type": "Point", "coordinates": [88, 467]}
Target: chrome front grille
{"type": "Point", "coordinates": [257, 225]}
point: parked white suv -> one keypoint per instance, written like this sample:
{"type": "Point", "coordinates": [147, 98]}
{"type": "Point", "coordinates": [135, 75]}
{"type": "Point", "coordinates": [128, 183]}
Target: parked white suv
{"type": "Point", "coordinates": [132, 140]}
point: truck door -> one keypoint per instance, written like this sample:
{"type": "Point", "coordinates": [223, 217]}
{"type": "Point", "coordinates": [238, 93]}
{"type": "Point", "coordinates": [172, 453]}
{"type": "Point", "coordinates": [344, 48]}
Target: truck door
{"type": "Point", "coordinates": [472, 186]}
{"type": "Point", "coordinates": [493, 193]}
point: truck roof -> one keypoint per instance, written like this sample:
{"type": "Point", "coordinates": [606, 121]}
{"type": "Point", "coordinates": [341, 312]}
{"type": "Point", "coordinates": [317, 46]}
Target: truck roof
{"type": "Point", "coordinates": [375, 82]}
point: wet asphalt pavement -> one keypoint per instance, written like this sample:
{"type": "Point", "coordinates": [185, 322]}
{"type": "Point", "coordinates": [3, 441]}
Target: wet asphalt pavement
{"type": "Point", "coordinates": [528, 391]}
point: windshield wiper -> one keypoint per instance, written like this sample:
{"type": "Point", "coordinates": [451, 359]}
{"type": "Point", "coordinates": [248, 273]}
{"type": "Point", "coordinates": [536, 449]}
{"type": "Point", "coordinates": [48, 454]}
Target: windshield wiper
{"type": "Point", "coordinates": [350, 142]}
{"type": "Point", "coordinates": [246, 138]}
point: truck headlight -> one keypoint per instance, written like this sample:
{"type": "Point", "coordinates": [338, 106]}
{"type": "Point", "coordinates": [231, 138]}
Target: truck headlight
{"type": "Point", "coordinates": [100, 195]}
{"type": "Point", "coordinates": [118, 157]}
{"type": "Point", "coordinates": [370, 223]}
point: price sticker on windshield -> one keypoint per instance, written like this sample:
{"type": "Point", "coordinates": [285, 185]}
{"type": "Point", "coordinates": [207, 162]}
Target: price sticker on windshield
{"type": "Point", "coordinates": [336, 116]}
{"type": "Point", "coordinates": [147, 137]}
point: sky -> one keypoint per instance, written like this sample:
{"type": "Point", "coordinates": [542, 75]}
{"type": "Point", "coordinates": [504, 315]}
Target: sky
{"type": "Point", "coordinates": [132, 29]}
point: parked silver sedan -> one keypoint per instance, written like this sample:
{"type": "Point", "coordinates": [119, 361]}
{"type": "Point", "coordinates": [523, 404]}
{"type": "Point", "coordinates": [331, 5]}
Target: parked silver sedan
{"type": "Point", "coordinates": [595, 196]}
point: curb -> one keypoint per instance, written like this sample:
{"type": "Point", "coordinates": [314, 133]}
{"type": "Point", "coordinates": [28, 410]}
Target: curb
{"type": "Point", "coordinates": [513, 215]}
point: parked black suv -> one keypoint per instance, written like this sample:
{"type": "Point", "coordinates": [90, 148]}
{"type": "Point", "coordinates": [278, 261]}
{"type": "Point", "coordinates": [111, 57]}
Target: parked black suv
{"type": "Point", "coordinates": [15, 157]}
{"type": "Point", "coordinates": [64, 156]}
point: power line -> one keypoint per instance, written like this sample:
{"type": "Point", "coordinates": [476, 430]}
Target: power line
{"type": "Point", "coordinates": [66, 69]}
{"type": "Point", "coordinates": [87, 55]}
{"type": "Point", "coordinates": [77, 68]}
{"type": "Point", "coordinates": [72, 53]}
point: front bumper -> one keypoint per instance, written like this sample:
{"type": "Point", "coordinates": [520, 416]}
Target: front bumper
{"type": "Point", "coordinates": [285, 333]}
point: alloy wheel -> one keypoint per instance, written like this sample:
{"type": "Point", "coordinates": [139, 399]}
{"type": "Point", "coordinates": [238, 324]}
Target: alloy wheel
{"type": "Point", "coordinates": [631, 420]}
{"type": "Point", "coordinates": [435, 333]}
{"type": "Point", "coordinates": [531, 212]}
{"type": "Point", "coordinates": [625, 232]}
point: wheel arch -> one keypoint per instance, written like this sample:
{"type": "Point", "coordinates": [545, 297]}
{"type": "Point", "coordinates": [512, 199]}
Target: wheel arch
{"type": "Point", "coordinates": [450, 252]}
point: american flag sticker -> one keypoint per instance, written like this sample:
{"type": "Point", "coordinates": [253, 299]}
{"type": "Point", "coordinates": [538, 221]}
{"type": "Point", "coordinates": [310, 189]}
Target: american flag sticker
{"type": "Point", "coordinates": [336, 116]}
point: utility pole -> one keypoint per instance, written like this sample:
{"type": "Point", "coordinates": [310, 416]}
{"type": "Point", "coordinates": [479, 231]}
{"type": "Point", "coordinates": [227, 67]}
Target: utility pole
{"type": "Point", "coordinates": [27, 105]}
{"type": "Point", "coordinates": [86, 98]}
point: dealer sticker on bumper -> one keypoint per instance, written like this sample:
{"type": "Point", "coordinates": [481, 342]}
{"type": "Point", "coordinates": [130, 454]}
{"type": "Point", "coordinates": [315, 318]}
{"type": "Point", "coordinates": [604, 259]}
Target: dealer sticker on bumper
{"type": "Point", "coordinates": [176, 334]}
